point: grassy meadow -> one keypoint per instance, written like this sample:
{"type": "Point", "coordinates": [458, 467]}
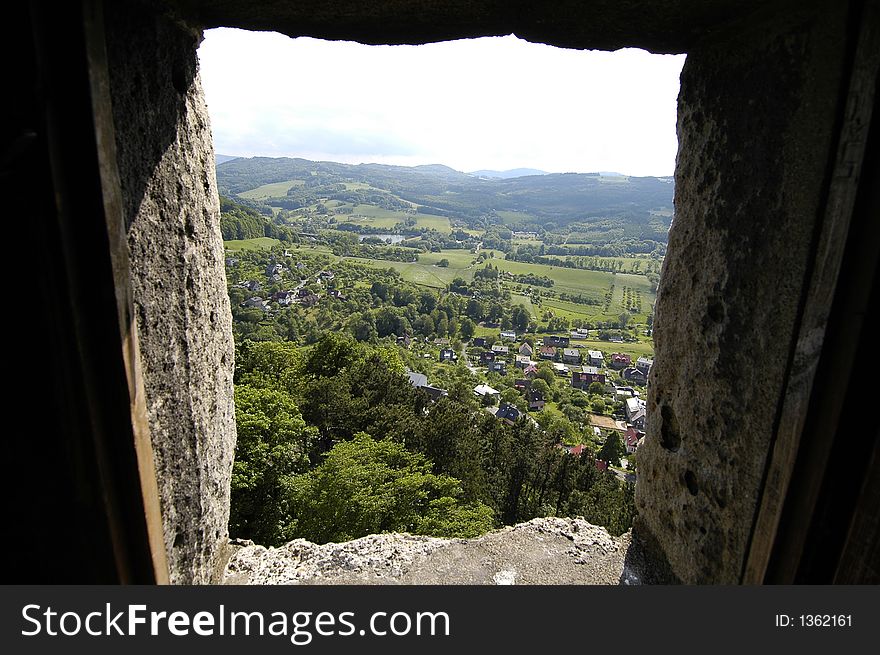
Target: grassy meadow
{"type": "Point", "coordinates": [261, 243]}
{"type": "Point", "coordinates": [276, 190]}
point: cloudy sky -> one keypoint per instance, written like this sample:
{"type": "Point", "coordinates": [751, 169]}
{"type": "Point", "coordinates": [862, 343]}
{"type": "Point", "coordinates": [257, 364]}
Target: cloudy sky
{"type": "Point", "coordinates": [490, 103]}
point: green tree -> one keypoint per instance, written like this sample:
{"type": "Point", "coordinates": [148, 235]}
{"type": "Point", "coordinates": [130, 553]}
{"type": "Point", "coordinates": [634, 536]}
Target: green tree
{"type": "Point", "coordinates": [272, 446]}
{"type": "Point", "coordinates": [379, 289]}
{"type": "Point", "coordinates": [441, 325]}
{"type": "Point", "coordinates": [424, 325]}
{"type": "Point", "coordinates": [519, 318]}
{"type": "Point", "coordinates": [475, 309]}
{"type": "Point", "coordinates": [268, 364]}
{"type": "Point", "coordinates": [366, 486]}
{"type": "Point", "coordinates": [427, 302]}
{"type": "Point", "coordinates": [330, 355]}
{"type": "Point", "coordinates": [387, 321]}
{"type": "Point", "coordinates": [364, 328]}
{"type": "Point", "coordinates": [612, 450]}
{"type": "Point", "coordinates": [466, 328]}
{"type": "Point", "coordinates": [540, 385]}
{"type": "Point", "coordinates": [404, 296]}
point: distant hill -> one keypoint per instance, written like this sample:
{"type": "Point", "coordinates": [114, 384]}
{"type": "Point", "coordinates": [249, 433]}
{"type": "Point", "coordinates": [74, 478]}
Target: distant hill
{"type": "Point", "coordinates": [591, 208]}
{"type": "Point", "coordinates": [222, 159]}
{"type": "Point", "coordinates": [504, 175]}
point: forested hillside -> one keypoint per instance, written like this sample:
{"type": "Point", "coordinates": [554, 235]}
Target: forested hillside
{"type": "Point", "coordinates": [607, 207]}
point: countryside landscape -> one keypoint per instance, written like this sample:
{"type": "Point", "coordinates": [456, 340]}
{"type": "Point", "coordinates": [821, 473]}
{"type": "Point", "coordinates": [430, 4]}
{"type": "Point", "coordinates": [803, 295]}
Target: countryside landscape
{"type": "Point", "coordinates": [449, 352]}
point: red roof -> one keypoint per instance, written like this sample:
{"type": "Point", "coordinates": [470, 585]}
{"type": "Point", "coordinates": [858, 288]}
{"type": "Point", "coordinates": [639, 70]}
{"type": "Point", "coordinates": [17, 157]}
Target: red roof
{"type": "Point", "coordinates": [601, 465]}
{"type": "Point", "coordinates": [576, 450]}
{"type": "Point", "coordinates": [632, 436]}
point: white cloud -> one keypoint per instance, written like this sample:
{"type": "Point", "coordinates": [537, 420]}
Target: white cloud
{"type": "Point", "coordinates": [496, 102]}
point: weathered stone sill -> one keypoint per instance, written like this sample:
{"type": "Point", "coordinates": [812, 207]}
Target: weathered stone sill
{"type": "Point", "coordinates": [542, 551]}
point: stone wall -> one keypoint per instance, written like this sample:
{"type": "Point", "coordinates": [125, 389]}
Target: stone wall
{"type": "Point", "coordinates": [542, 551]}
{"type": "Point", "coordinates": [166, 165]}
{"type": "Point", "coordinates": [757, 111]}
{"type": "Point", "coordinates": [755, 126]}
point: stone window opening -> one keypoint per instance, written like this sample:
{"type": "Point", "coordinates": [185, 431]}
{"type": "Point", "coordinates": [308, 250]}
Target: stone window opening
{"type": "Point", "coordinates": [758, 303]}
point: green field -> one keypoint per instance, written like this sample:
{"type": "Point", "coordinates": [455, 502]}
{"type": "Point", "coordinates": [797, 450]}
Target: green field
{"type": "Point", "coordinates": [636, 350]}
{"type": "Point", "coordinates": [261, 243]}
{"type": "Point", "coordinates": [573, 311]}
{"type": "Point", "coordinates": [372, 216]}
{"type": "Point", "coordinates": [276, 190]}
{"type": "Point", "coordinates": [427, 276]}
{"type": "Point", "coordinates": [640, 264]}
{"type": "Point", "coordinates": [525, 301]}
{"type": "Point", "coordinates": [439, 223]}
{"type": "Point", "coordinates": [425, 272]}
{"type": "Point", "coordinates": [458, 259]}
{"type": "Point", "coordinates": [572, 280]}
{"type": "Point", "coordinates": [594, 284]}
{"type": "Point", "coordinates": [635, 282]}
{"type": "Point", "coordinates": [381, 222]}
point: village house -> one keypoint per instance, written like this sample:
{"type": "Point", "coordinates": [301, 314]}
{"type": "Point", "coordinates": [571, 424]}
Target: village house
{"type": "Point", "coordinates": [498, 367]}
{"type": "Point", "coordinates": [448, 355]}
{"type": "Point", "coordinates": [526, 350]}
{"type": "Point", "coordinates": [522, 384]}
{"type": "Point", "coordinates": [644, 364]}
{"type": "Point", "coordinates": [535, 400]}
{"type": "Point", "coordinates": [508, 336]}
{"type": "Point", "coordinates": [620, 361]}
{"type": "Point", "coordinates": [523, 361]}
{"type": "Point", "coordinates": [420, 381]}
{"type": "Point", "coordinates": [531, 371]}
{"type": "Point", "coordinates": [484, 390]}
{"type": "Point", "coordinates": [556, 341]}
{"type": "Point", "coordinates": [256, 303]}
{"type": "Point", "coordinates": [596, 358]}
{"type": "Point", "coordinates": [621, 394]}
{"type": "Point", "coordinates": [500, 350]}
{"type": "Point", "coordinates": [585, 376]}
{"type": "Point", "coordinates": [308, 300]}
{"type": "Point", "coordinates": [560, 369]}
{"type": "Point", "coordinates": [635, 413]}
{"type": "Point", "coordinates": [547, 352]}
{"type": "Point", "coordinates": [571, 356]}
{"type": "Point", "coordinates": [487, 356]}
{"type": "Point", "coordinates": [635, 376]}
{"type": "Point", "coordinates": [632, 439]}
{"type": "Point", "coordinates": [508, 413]}
{"type": "Point", "coordinates": [479, 342]}
{"type": "Point", "coordinates": [284, 298]}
